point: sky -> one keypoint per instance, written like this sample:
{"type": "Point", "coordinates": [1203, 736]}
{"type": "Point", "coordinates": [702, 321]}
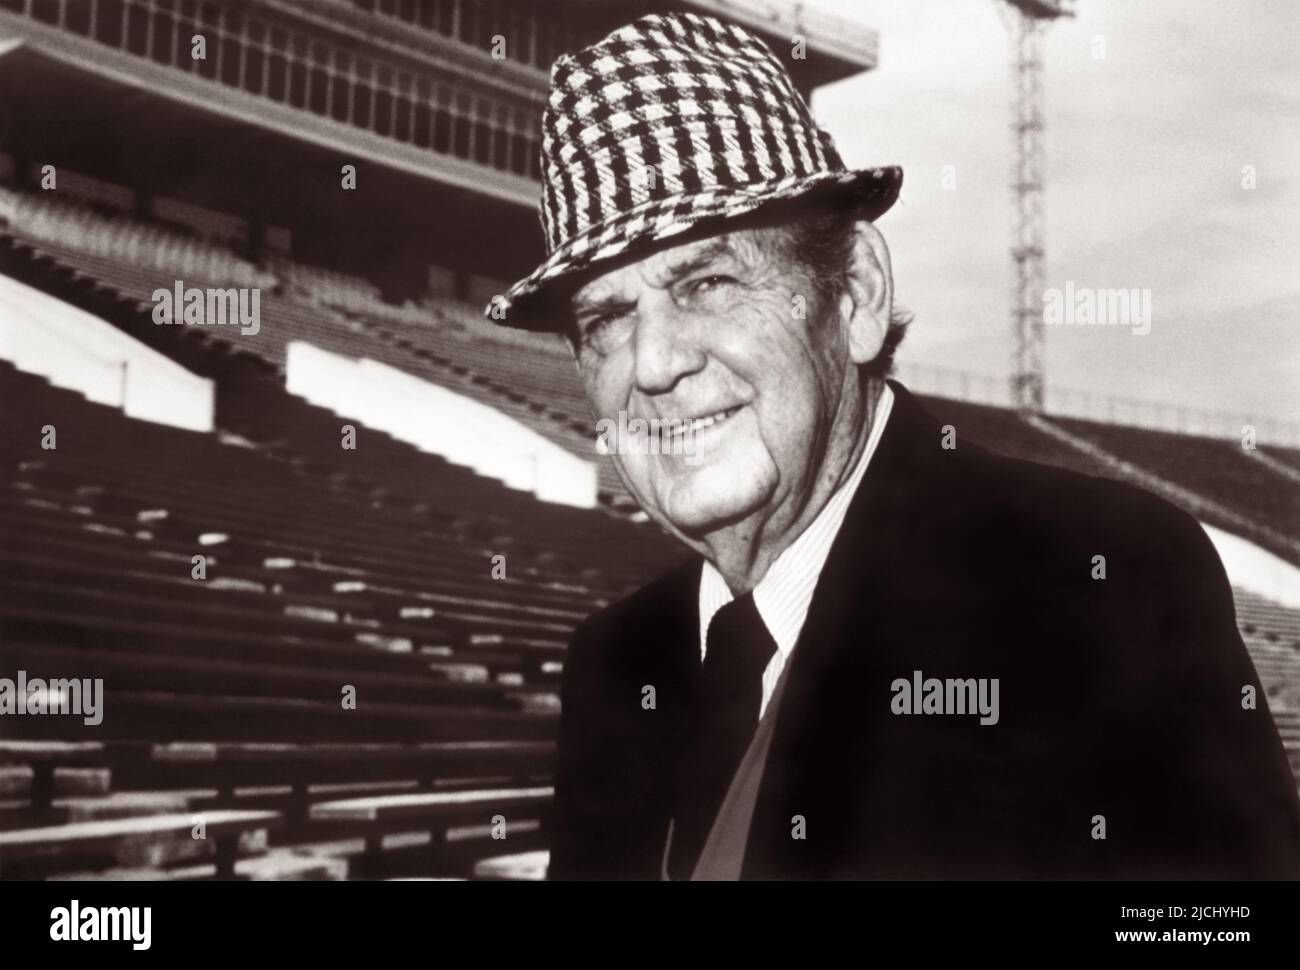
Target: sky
{"type": "Point", "coordinates": [1147, 147]}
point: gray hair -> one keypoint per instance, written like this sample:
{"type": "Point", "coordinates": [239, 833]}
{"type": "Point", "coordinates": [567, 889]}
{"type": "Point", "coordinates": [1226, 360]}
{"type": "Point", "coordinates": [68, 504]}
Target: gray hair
{"type": "Point", "coordinates": [822, 239]}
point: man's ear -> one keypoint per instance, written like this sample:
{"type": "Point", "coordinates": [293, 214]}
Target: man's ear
{"type": "Point", "coordinates": [869, 296]}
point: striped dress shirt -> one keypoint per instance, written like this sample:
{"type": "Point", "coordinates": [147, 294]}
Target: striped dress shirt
{"type": "Point", "coordinates": [783, 595]}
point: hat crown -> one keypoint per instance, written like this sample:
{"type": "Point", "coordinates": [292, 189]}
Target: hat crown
{"type": "Point", "coordinates": [669, 106]}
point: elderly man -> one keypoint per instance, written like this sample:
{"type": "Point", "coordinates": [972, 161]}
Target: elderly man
{"type": "Point", "coordinates": [892, 653]}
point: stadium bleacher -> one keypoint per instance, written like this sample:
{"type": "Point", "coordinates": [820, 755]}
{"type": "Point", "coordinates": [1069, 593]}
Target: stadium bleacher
{"type": "Point", "coordinates": [1218, 470]}
{"type": "Point", "coordinates": [456, 673]}
{"type": "Point", "coordinates": [355, 325]}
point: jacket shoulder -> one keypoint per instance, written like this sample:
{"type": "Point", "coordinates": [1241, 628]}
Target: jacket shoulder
{"type": "Point", "coordinates": [1053, 501]}
{"type": "Point", "coordinates": [646, 605]}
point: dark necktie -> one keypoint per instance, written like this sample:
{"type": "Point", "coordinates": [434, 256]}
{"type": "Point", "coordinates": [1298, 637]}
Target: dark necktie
{"type": "Point", "coordinates": [730, 694]}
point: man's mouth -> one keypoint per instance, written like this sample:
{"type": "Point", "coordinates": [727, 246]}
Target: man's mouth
{"type": "Point", "coordinates": [697, 425]}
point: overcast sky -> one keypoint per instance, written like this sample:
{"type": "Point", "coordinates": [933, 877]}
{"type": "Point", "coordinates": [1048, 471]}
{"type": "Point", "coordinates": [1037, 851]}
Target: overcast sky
{"type": "Point", "coordinates": [1145, 156]}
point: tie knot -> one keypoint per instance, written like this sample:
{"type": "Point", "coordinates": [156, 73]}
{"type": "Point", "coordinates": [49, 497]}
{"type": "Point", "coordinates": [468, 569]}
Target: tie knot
{"type": "Point", "coordinates": [738, 646]}
{"type": "Point", "coordinates": [737, 649]}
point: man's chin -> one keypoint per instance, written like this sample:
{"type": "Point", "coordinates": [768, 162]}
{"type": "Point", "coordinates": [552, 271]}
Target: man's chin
{"type": "Point", "coordinates": [697, 511]}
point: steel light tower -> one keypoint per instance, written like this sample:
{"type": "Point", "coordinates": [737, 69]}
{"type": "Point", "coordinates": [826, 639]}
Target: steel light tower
{"type": "Point", "coordinates": [1027, 21]}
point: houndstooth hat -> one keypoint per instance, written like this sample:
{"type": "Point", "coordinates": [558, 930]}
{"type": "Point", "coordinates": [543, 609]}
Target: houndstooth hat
{"type": "Point", "coordinates": [670, 122]}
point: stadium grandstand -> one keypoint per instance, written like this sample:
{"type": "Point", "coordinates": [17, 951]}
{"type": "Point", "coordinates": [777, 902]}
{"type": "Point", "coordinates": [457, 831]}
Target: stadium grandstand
{"type": "Point", "coordinates": [356, 487]}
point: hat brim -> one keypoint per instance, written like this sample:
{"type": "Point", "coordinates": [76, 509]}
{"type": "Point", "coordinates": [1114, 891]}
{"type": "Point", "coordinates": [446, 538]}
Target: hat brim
{"type": "Point", "coordinates": [871, 191]}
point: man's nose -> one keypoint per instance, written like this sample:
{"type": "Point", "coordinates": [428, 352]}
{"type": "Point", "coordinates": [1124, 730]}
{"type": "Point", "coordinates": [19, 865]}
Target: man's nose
{"type": "Point", "coordinates": [666, 346]}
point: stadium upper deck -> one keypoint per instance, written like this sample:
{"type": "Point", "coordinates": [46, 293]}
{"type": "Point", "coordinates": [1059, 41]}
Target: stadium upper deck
{"type": "Point", "coordinates": [437, 105]}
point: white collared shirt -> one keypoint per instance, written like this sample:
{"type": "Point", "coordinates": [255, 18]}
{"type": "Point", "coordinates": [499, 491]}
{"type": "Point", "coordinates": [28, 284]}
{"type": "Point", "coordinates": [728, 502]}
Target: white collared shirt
{"type": "Point", "coordinates": [783, 595]}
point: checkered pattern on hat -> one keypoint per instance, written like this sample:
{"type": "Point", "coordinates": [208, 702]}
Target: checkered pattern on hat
{"type": "Point", "coordinates": [668, 121]}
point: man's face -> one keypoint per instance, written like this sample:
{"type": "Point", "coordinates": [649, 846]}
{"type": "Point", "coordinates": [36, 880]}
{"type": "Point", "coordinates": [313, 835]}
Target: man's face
{"type": "Point", "coordinates": [728, 334]}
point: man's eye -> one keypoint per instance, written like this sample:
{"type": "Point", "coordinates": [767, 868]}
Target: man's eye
{"type": "Point", "coordinates": [606, 332]}
{"type": "Point", "coordinates": [596, 324]}
{"type": "Point", "coordinates": [711, 283]}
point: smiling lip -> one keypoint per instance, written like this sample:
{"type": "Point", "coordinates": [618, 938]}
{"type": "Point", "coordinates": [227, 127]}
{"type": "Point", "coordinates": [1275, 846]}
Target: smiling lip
{"type": "Point", "coordinates": [695, 425]}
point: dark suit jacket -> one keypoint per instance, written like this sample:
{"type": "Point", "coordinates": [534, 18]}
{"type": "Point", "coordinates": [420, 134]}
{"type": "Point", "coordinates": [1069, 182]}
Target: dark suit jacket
{"type": "Point", "coordinates": [1119, 697]}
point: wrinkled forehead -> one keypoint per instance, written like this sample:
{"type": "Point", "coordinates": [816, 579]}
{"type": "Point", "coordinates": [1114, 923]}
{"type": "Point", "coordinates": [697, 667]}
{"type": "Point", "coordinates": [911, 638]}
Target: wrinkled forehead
{"type": "Point", "coordinates": [665, 265]}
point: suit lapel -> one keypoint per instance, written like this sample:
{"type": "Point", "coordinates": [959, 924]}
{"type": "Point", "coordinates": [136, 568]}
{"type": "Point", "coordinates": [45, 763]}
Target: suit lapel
{"type": "Point", "coordinates": [837, 651]}
{"type": "Point", "coordinates": [664, 652]}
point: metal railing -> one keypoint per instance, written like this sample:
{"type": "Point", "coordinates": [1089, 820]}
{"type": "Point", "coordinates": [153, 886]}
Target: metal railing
{"type": "Point", "coordinates": [1061, 402]}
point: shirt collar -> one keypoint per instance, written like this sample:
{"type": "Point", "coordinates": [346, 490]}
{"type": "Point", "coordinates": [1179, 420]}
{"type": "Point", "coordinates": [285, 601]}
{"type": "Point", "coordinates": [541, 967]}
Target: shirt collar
{"type": "Point", "coordinates": [784, 594]}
